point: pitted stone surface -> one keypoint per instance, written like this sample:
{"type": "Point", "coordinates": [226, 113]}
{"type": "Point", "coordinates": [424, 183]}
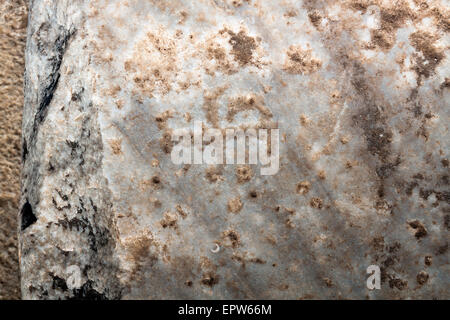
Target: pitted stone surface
{"type": "Point", "coordinates": [358, 90]}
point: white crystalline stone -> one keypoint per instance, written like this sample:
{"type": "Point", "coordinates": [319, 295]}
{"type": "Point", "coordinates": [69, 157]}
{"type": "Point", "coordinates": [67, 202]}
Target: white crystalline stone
{"type": "Point", "coordinates": [359, 98]}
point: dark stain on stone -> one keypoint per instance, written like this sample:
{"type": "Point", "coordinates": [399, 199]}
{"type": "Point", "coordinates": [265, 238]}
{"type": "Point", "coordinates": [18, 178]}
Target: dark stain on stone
{"type": "Point", "coordinates": [55, 204]}
{"type": "Point", "coordinates": [213, 174]}
{"type": "Point", "coordinates": [428, 260]}
{"type": "Point", "coordinates": [410, 187]}
{"type": "Point", "coordinates": [422, 277]}
{"type": "Point", "coordinates": [445, 84]}
{"type": "Point", "coordinates": [316, 203]}
{"type": "Point", "coordinates": [398, 283]}
{"type": "Point", "coordinates": [420, 230]}
{"type": "Point", "coordinates": [378, 137]}
{"type": "Point", "coordinates": [370, 118]}
{"type": "Point", "coordinates": [73, 145]}
{"type": "Point", "coordinates": [431, 57]}
{"type": "Point", "coordinates": [27, 216]}
{"type": "Point", "coordinates": [443, 196]}
{"type": "Point", "coordinates": [442, 249]}
{"type": "Point", "coordinates": [378, 243]}
{"type": "Point", "coordinates": [253, 194]}
{"type": "Point", "coordinates": [210, 279]}
{"type": "Point", "coordinates": [156, 181]}
{"type": "Point", "coordinates": [24, 150]}
{"type": "Point", "coordinates": [418, 176]}
{"type": "Point", "coordinates": [233, 237]}
{"type": "Point", "coordinates": [97, 237]}
{"type": "Point", "coordinates": [86, 292]}
{"type": "Point", "coordinates": [394, 248]}
{"type": "Point", "coordinates": [443, 21]}
{"type": "Point", "coordinates": [166, 142]}
{"type": "Point", "coordinates": [424, 193]}
{"type": "Point", "coordinates": [58, 283]}
{"type": "Point", "coordinates": [391, 20]}
{"type": "Point", "coordinates": [243, 46]}
{"type": "Point", "coordinates": [359, 5]}
{"type": "Point", "coordinates": [389, 257]}
{"type": "Point", "coordinates": [417, 110]}
{"type": "Point", "coordinates": [315, 18]}
{"type": "Point", "coordinates": [385, 170]}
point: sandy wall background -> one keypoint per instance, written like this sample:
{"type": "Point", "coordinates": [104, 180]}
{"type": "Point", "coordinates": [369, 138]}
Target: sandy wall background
{"type": "Point", "coordinates": [13, 21]}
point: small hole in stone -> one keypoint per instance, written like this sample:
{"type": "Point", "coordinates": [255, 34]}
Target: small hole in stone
{"type": "Point", "coordinates": [156, 180]}
{"type": "Point", "coordinates": [253, 194]}
{"type": "Point", "coordinates": [27, 216]}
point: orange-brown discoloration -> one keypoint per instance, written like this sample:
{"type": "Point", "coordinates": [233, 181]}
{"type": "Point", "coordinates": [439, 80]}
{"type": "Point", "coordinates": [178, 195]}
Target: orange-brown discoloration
{"type": "Point", "coordinates": [231, 238]}
{"type": "Point", "coordinates": [235, 205]}
{"type": "Point", "coordinates": [316, 203]}
{"type": "Point", "coordinates": [303, 187]}
{"type": "Point", "coordinates": [249, 102]}
{"type": "Point", "coordinates": [244, 173]}
{"type": "Point", "coordinates": [153, 64]}
{"type": "Point", "coordinates": [301, 61]}
{"type": "Point", "coordinates": [169, 220]}
{"type": "Point", "coordinates": [116, 146]}
{"type": "Point", "coordinates": [214, 174]}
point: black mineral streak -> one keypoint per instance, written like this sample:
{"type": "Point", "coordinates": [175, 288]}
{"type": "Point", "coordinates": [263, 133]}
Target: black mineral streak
{"type": "Point", "coordinates": [46, 95]}
{"type": "Point", "coordinates": [27, 216]}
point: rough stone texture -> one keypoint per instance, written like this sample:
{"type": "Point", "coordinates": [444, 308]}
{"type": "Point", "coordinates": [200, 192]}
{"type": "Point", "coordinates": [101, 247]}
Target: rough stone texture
{"type": "Point", "coordinates": [13, 21]}
{"type": "Point", "coordinates": [358, 89]}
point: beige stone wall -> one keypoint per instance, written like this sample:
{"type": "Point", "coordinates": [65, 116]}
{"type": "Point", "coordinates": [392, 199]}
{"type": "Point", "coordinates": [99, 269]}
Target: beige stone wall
{"type": "Point", "coordinates": [13, 21]}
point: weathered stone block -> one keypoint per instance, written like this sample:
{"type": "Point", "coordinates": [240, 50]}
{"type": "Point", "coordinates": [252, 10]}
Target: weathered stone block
{"type": "Point", "coordinates": [357, 89]}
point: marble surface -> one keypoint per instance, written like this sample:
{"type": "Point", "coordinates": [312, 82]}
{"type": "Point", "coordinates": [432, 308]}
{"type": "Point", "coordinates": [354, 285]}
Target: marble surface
{"type": "Point", "coordinates": [357, 89]}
